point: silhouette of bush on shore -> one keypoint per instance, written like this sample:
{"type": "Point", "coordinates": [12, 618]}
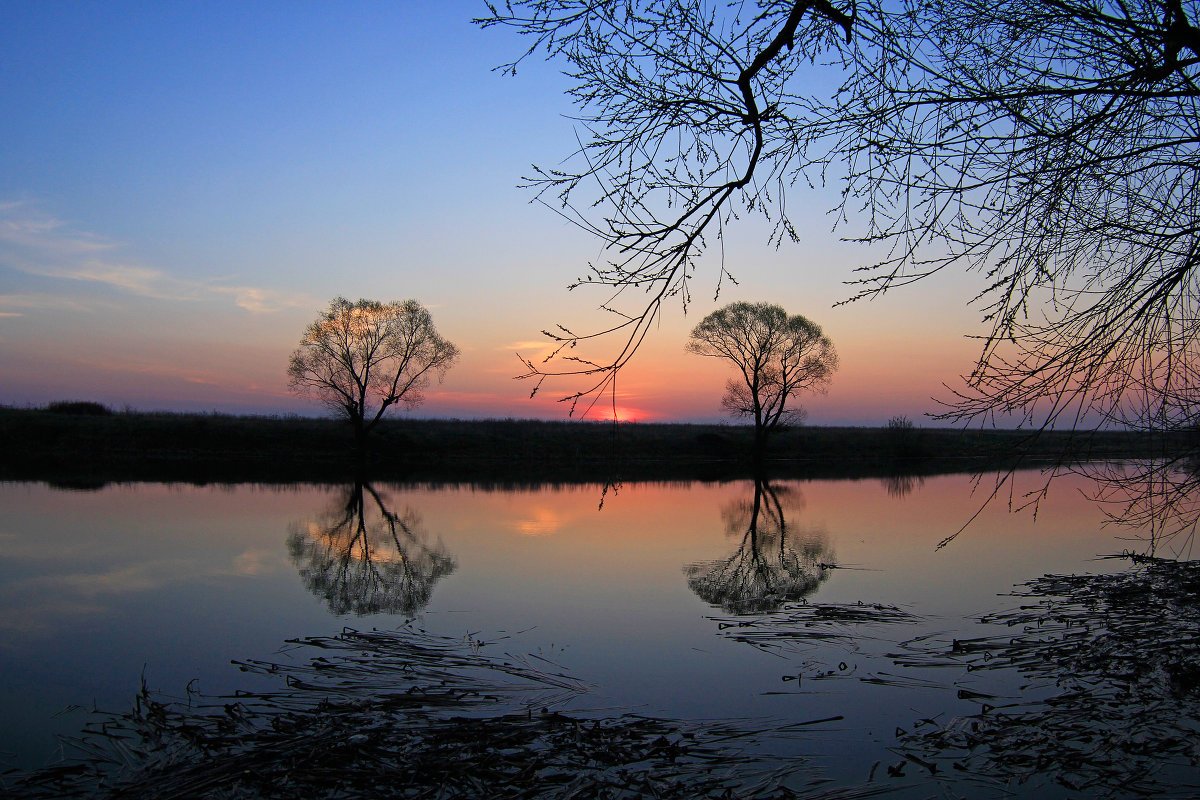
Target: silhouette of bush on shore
{"type": "Point", "coordinates": [79, 407]}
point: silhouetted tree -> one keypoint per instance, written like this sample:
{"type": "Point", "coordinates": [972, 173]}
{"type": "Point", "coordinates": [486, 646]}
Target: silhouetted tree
{"type": "Point", "coordinates": [777, 358]}
{"type": "Point", "coordinates": [1051, 145]}
{"type": "Point", "coordinates": [368, 562]}
{"type": "Point", "coordinates": [770, 567]}
{"type": "Point", "coordinates": [361, 358]}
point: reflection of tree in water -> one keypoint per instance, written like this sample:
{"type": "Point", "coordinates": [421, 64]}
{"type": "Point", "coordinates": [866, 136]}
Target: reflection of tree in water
{"type": "Point", "coordinates": [773, 564]}
{"type": "Point", "coordinates": [364, 558]}
{"type": "Point", "coordinates": [1158, 501]}
{"type": "Point", "coordinates": [901, 485]}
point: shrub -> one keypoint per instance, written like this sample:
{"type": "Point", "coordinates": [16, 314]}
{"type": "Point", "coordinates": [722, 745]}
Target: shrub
{"type": "Point", "coordinates": [81, 407]}
{"type": "Point", "coordinates": [902, 438]}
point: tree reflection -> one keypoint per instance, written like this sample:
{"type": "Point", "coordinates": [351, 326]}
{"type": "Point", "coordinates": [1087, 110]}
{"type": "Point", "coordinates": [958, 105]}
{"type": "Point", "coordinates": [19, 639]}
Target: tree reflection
{"type": "Point", "coordinates": [363, 558]}
{"type": "Point", "coordinates": [772, 565]}
{"type": "Point", "coordinates": [1157, 501]}
{"type": "Point", "coordinates": [901, 485]}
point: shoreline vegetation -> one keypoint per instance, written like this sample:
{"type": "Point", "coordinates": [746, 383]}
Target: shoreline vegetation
{"type": "Point", "coordinates": [83, 443]}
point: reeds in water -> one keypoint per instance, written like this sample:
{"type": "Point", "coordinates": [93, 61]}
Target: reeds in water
{"type": "Point", "coordinates": [407, 714]}
{"type": "Point", "coordinates": [1093, 686]}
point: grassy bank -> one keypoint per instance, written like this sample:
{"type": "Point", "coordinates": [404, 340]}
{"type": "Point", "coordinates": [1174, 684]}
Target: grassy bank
{"type": "Point", "coordinates": [84, 442]}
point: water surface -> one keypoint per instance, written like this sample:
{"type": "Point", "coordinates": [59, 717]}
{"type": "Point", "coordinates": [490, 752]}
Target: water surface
{"type": "Point", "coordinates": [102, 590]}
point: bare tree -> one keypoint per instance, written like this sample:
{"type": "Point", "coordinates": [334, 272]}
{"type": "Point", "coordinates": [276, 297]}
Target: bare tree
{"type": "Point", "coordinates": [777, 356]}
{"type": "Point", "coordinates": [1054, 147]}
{"type": "Point", "coordinates": [361, 358]}
{"type": "Point", "coordinates": [676, 138]}
{"type": "Point", "coordinates": [1051, 145]}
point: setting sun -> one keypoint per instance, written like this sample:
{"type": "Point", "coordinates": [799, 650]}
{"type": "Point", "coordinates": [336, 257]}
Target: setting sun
{"type": "Point", "coordinates": [620, 413]}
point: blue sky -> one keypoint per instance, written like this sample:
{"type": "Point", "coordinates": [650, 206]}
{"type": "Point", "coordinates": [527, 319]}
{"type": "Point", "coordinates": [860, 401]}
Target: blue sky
{"type": "Point", "coordinates": [183, 186]}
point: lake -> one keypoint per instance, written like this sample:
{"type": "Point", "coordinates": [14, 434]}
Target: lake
{"type": "Point", "coordinates": [827, 603]}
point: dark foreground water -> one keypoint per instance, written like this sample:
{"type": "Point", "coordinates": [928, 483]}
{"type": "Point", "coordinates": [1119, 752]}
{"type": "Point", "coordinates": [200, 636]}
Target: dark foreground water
{"type": "Point", "coordinates": [825, 602]}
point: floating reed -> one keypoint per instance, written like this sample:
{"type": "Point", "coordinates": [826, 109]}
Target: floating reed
{"type": "Point", "coordinates": [1093, 686]}
{"type": "Point", "coordinates": [805, 626]}
{"type": "Point", "coordinates": [407, 714]}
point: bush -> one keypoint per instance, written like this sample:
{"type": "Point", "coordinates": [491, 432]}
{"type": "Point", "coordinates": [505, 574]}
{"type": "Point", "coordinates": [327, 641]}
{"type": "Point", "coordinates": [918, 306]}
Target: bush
{"type": "Point", "coordinates": [80, 407]}
{"type": "Point", "coordinates": [902, 438]}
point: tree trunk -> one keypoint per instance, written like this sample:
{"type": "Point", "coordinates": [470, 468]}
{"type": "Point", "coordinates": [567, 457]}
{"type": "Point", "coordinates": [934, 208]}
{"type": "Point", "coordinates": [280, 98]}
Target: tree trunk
{"type": "Point", "coordinates": [760, 445]}
{"type": "Point", "coordinates": [360, 441]}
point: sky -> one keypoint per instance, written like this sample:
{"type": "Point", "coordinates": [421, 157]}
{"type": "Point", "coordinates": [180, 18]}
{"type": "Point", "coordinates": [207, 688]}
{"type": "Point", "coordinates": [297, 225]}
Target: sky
{"type": "Point", "coordinates": [184, 186]}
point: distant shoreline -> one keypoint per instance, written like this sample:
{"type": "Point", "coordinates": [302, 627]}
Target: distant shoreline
{"type": "Point", "coordinates": [216, 448]}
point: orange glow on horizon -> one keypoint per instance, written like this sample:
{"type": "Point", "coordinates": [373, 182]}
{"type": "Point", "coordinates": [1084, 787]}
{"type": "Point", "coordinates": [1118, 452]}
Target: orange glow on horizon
{"type": "Point", "coordinates": [880, 376]}
{"type": "Point", "coordinates": [608, 413]}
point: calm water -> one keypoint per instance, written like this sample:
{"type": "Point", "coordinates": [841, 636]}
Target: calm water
{"type": "Point", "coordinates": [101, 589]}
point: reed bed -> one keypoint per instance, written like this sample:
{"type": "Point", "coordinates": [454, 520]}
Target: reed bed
{"type": "Point", "coordinates": [1089, 688]}
{"type": "Point", "coordinates": [1093, 686]}
{"type": "Point", "coordinates": [407, 714]}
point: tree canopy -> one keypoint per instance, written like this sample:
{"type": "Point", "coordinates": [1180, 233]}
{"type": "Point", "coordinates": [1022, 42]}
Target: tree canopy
{"type": "Point", "coordinates": [777, 358]}
{"type": "Point", "coordinates": [1051, 145]}
{"type": "Point", "coordinates": [361, 358]}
